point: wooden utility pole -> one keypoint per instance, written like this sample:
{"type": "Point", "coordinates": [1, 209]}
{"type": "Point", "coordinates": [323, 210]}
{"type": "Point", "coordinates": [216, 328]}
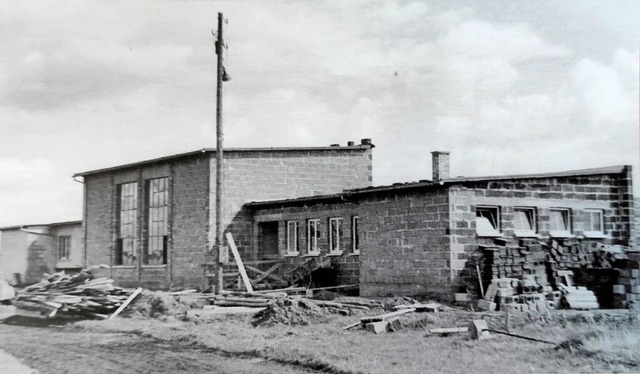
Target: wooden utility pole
{"type": "Point", "coordinates": [219, 246]}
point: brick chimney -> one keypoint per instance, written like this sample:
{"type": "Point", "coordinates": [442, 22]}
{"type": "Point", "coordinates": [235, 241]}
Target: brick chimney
{"type": "Point", "coordinates": [440, 165]}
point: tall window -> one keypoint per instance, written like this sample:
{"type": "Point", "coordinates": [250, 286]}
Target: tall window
{"type": "Point", "coordinates": [292, 237]}
{"type": "Point", "coordinates": [125, 253]}
{"type": "Point", "coordinates": [488, 221]}
{"type": "Point", "coordinates": [355, 244]}
{"type": "Point", "coordinates": [524, 221]}
{"type": "Point", "coordinates": [335, 235]}
{"type": "Point", "coordinates": [64, 247]}
{"type": "Point", "coordinates": [157, 230]}
{"type": "Point", "coordinates": [313, 234]}
{"type": "Point", "coordinates": [560, 222]}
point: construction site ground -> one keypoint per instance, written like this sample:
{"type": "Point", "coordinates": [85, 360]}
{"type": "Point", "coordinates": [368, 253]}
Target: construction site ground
{"type": "Point", "coordinates": [182, 337]}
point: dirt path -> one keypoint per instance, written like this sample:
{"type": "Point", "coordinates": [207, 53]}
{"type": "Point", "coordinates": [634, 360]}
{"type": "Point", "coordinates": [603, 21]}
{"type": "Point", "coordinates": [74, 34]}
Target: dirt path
{"type": "Point", "coordinates": [66, 350]}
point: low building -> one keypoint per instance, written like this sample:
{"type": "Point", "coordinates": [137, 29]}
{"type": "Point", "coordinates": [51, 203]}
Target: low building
{"type": "Point", "coordinates": [29, 251]}
{"type": "Point", "coordinates": [412, 238]}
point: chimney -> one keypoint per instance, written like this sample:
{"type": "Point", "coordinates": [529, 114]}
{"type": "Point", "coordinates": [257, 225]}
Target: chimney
{"type": "Point", "coordinates": [440, 165]}
{"type": "Point", "coordinates": [351, 143]}
{"type": "Point", "coordinates": [365, 141]}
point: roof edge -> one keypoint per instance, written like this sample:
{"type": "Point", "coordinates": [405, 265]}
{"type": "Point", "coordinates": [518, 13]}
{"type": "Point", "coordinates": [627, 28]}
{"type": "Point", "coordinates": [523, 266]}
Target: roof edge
{"type": "Point", "coordinates": [359, 147]}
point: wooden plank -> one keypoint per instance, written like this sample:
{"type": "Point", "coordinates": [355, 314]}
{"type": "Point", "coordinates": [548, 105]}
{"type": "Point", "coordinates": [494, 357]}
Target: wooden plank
{"type": "Point", "coordinates": [257, 262]}
{"type": "Point", "coordinates": [382, 317]}
{"type": "Point", "coordinates": [126, 303]}
{"type": "Point", "coordinates": [266, 274]}
{"type": "Point", "coordinates": [448, 330]}
{"type": "Point", "coordinates": [236, 256]}
{"type": "Point", "coordinates": [352, 325]}
{"type": "Point", "coordinates": [431, 307]}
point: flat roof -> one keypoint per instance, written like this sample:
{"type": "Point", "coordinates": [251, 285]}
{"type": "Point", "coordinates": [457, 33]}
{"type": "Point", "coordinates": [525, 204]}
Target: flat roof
{"type": "Point", "coordinates": [63, 223]}
{"type": "Point", "coordinates": [617, 169]}
{"type": "Point", "coordinates": [225, 150]}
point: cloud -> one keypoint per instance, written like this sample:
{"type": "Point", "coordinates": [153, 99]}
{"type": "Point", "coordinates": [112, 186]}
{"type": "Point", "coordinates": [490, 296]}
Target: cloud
{"type": "Point", "coordinates": [90, 85]}
{"type": "Point", "coordinates": [18, 171]}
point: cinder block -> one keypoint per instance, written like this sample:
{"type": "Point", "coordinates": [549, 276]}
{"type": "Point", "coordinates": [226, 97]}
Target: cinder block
{"type": "Point", "coordinates": [377, 327]}
{"type": "Point", "coordinates": [506, 292]}
{"type": "Point", "coordinates": [486, 305]}
{"type": "Point", "coordinates": [619, 289]}
{"type": "Point", "coordinates": [491, 292]}
{"type": "Point", "coordinates": [394, 325]}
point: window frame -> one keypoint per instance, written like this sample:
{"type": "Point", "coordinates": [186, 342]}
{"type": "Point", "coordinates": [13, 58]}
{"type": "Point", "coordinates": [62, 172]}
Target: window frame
{"type": "Point", "coordinates": [64, 251]}
{"type": "Point", "coordinates": [295, 239]}
{"type": "Point", "coordinates": [130, 209]}
{"type": "Point", "coordinates": [156, 221]}
{"type": "Point", "coordinates": [594, 233]}
{"type": "Point", "coordinates": [316, 225]}
{"type": "Point", "coordinates": [497, 228]}
{"type": "Point", "coordinates": [569, 223]}
{"type": "Point", "coordinates": [338, 239]}
{"type": "Point", "coordinates": [355, 236]}
{"type": "Point", "coordinates": [531, 214]}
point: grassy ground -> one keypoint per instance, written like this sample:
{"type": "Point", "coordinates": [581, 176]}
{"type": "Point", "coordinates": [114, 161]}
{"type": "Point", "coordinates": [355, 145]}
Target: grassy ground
{"type": "Point", "coordinates": [594, 343]}
{"type": "Point", "coordinates": [606, 344]}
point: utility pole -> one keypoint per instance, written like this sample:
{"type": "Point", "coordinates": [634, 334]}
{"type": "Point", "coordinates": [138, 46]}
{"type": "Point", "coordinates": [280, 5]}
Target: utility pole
{"type": "Point", "coordinates": [221, 76]}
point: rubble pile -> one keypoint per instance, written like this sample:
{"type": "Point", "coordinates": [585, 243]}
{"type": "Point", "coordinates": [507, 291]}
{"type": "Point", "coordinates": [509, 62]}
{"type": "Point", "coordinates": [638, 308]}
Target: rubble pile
{"type": "Point", "coordinates": [155, 305]}
{"type": "Point", "coordinates": [79, 295]}
{"type": "Point", "coordinates": [295, 310]}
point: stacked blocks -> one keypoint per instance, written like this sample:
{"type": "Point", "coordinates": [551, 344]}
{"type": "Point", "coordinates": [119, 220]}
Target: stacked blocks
{"type": "Point", "coordinates": [626, 293]}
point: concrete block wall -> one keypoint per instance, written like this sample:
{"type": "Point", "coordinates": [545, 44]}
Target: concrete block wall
{"type": "Point", "coordinates": [405, 243]}
{"type": "Point", "coordinates": [189, 225]}
{"type": "Point", "coordinates": [576, 193]}
{"type": "Point", "coordinates": [346, 265]}
{"type": "Point", "coordinates": [98, 225]}
{"type": "Point", "coordinates": [283, 174]}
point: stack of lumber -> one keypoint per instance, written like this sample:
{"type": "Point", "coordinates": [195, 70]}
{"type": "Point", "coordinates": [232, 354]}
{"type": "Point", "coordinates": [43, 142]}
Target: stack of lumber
{"type": "Point", "coordinates": [265, 299]}
{"type": "Point", "coordinates": [64, 295]}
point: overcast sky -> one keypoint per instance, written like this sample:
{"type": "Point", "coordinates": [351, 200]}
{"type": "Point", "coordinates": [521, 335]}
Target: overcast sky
{"type": "Point", "coordinates": [506, 86]}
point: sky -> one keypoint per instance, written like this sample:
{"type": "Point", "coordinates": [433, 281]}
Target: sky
{"type": "Point", "coordinates": [507, 87]}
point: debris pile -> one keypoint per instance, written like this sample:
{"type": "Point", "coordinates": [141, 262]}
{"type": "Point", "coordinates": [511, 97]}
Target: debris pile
{"type": "Point", "coordinates": [390, 322]}
{"type": "Point", "coordinates": [156, 305]}
{"type": "Point", "coordinates": [290, 310]}
{"type": "Point", "coordinates": [80, 295]}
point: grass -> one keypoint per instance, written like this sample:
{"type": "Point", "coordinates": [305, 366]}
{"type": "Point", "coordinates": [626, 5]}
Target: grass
{"type": "Point", "coordinates": [326, 347]}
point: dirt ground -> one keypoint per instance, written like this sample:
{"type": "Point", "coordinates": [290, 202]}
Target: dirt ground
{"type": "Point", "coordinates": [183, 338]}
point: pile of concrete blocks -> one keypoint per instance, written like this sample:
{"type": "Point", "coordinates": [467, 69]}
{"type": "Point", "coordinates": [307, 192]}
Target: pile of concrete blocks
{"type": "Point", "coordinates": [519, 295]}
{"type": "Point", "coordinates": [515, 260]}
{"type": "Point", "coordinates": [564, 255]}
{"type": "Point", "coordinates": [626, 293]}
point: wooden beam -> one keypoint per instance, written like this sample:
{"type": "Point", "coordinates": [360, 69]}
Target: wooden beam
{"type": "Point", "coordinates": [382, 317]}
{"type": "Point", "coordinates": [236, 255]}
{"type": "Point", "coordinates": [267, 273]}
{"type": "Point", "coordinates": [127, 302]}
